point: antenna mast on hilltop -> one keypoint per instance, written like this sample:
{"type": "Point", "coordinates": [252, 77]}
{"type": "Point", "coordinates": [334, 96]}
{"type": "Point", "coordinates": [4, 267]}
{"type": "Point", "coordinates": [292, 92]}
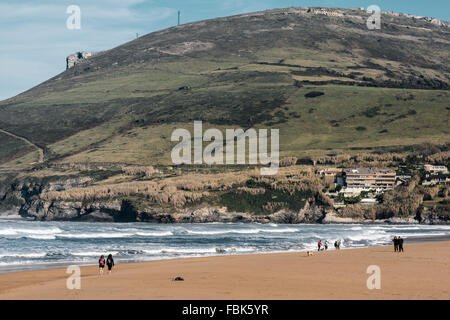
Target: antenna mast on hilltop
{"type": "Point", "coordinates": [179, 14]}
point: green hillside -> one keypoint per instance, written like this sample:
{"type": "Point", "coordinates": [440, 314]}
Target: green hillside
{"type": "Point", "coordinates": [381, 89]}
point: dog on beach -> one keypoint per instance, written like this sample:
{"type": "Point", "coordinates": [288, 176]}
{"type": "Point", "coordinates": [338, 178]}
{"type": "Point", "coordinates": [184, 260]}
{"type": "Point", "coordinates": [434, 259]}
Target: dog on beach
{"type": "Point", "coordinates": [309, 253]}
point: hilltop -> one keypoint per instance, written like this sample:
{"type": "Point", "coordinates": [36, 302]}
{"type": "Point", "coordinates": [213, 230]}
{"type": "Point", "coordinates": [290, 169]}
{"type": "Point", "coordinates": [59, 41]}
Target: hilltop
{"type": "Point", "coordinates": [382, 88]}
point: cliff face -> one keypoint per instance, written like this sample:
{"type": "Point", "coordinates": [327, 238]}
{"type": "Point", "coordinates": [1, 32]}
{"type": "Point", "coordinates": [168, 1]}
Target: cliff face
{"type": "Point", "coordinates": [24, 199]}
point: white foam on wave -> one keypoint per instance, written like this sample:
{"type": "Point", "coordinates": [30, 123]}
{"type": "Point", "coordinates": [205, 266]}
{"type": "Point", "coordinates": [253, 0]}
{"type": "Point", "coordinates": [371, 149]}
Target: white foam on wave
{"type": "Point", "coordinates": [12, 263]}
{"type": "Point", "coordinates": [209, 250]}
{"type": "Point", "coordinates": [39, 231]}
{"type": "Point", "coordinates": [43, 237]}
{"type": "Point", "coordinates": [26, 232]}
{"type": "Point", "coordinates": [7, 232]}
{"type": "Point", "coordinates": [94, 235]}
{"type": "Point", "coordinates": [93, 253]}
{"type": "Point", "coordinates": [242, 231]}
{"type": "Point", "coordinates": [288, 230]}
{"type": "Point", "coordinates": [429, 234]}
{"type": "Point", "coordinates": [23, 255]}
{"type": "Point", "coordinates": [216, 232]}
{"type": "Point", "coordinates": [367, 237]}
{"type": "Point", "coordinates": [154, 233]}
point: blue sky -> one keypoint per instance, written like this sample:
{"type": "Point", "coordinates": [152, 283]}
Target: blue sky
{"type": "Point", "coordinates": [34, 39]}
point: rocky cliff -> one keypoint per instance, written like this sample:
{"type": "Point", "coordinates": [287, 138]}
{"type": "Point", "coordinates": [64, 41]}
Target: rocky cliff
{"type": "Point", "coordinates": [77, 58]}
{"type": "Point", "coordinates": [23, 199]}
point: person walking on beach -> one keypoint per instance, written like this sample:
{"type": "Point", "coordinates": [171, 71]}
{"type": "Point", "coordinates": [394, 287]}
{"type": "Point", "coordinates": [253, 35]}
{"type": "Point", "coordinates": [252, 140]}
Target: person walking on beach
{"type": "Point", "coordinates": [319, 245]}
{"type": "Point", "coordinates": [110, 263]}
{"type": "Point", "coordinates": [337, 244]}
{"type": "Point", "coordinates": [101, 264]}
{"type": "Point", "coordinates": [395, 244]}
{"type": "Point", "coordinates": [400, 244]}
{"type": "Point", "coordinates": [326, 245]}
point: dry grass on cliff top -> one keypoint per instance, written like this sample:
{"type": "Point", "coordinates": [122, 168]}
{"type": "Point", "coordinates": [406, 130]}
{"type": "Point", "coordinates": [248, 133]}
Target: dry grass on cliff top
{"type": "Point", "coordinates": [189, 187]}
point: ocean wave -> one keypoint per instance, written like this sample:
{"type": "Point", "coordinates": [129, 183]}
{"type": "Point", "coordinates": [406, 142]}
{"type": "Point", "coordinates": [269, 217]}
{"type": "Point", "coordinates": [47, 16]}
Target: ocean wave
{"type": "Point", "coordinates": [26, 232]}
{"type": "Point", "coordinates": [208, 250]}
{"type": "Point", "coordinates": [93, 253]}
{"type": "Point", "coordinates": [420, 235]}
{"type": "Point", "coordinates": [14, 263]}
{"type": "Point", "coordinates": [241, 231]}
{"type": "Point", "coordinates": [367, 237]}
{"type": "Point", "coordinates": [7, 232]}
{"type": "Point", "coordinates": [23, 255]}
{"type": "Point", "coordinates": [154, 233]}
{"type": "Point", "coordinates": [94, 235]}
{"type": "Point", "coordinates": [42, 237]}
{"type": "Point", "coordinates": [77, 242]}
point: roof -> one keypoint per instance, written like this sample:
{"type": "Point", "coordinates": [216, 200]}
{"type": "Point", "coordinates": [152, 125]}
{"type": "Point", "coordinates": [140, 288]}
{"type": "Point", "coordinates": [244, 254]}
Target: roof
{"type": "Point", "coordinates": [368, 171]}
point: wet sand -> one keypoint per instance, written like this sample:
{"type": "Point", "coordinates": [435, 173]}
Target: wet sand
{"type": "Point", "coordinates": [421, 272]}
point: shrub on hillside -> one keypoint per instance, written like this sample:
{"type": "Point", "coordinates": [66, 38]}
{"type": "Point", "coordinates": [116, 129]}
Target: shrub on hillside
{"type": "Point", "coordinates": [314, 94]}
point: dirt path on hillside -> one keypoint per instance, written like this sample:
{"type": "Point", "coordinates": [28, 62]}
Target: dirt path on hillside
{"type": "Point", "coordinates": [40, 150]}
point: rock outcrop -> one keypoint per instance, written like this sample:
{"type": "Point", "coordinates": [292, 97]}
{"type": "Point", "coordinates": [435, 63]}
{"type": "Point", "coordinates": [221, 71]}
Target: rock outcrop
{"type": "Point", "coordinates": [24, 198]}
{"type": "Point", "coordinates": [331, 217]}
{"type": "Point", "coordinates": [77, 58]}
{"type": "Point", "coordinates": [433, 215]}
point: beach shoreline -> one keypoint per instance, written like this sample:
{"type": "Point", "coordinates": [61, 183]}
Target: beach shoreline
{"type": "Point", "coordinates": [60, 265]}
{"type": "Point", "coordinates": [421, 272]}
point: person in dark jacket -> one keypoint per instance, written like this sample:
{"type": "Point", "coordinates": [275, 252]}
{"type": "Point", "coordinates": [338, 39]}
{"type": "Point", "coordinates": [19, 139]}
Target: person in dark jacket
{"type": "Point", "coordinates": [400, 244]}
{"type": "Point", "coordinates": [110, 263]}
{"type": "Point", "coordinates": [395, 243]}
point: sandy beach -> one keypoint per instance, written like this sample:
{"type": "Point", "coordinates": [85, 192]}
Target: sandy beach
{"type": "Point", "coordinates": [421, 272]}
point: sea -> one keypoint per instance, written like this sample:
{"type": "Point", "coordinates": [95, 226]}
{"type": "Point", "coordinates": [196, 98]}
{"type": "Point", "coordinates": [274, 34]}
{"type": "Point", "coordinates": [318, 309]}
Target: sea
{"type": "Point", "coordinates": [32, 245]}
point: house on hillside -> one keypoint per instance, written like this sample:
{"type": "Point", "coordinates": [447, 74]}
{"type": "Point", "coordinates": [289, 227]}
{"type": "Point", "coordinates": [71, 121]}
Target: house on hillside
{"type": "Point", "coordinates": [435, 169]}
{"type": "Point", "coordinates": [436, 179]}
{"type": "Point", "coordinates": [329, 172]}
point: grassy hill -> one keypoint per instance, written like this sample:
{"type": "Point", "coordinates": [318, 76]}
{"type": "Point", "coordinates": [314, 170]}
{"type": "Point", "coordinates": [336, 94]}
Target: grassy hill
{"type": "Point", "coordinates": [381, 89]}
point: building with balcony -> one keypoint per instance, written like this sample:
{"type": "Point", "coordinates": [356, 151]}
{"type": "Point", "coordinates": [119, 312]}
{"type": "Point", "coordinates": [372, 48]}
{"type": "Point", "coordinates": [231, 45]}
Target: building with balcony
{"type": "Point", "coordinates": [364, 179]}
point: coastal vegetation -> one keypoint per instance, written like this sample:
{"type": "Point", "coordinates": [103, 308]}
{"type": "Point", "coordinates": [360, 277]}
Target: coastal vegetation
{"type": "Point", "coordinates": [95, 140]}
{"type": "Point", "coordinates": [294, 189]}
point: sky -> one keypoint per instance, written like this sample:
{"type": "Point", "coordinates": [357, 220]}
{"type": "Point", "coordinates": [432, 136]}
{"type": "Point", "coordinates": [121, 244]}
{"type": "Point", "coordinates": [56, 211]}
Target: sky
{"type": "Point", "coordinates": [35, 40]}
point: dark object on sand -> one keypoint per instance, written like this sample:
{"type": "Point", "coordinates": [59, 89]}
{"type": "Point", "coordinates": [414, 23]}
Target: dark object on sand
{"type": "Point", "coordinates": [178, 279]}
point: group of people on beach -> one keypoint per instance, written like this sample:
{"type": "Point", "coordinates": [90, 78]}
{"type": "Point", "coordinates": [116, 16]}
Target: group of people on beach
{"type": "Point", "coordinates": [102, 262]}
{"type": "Point", "coordinates": [324, 245]}
{"type": "Point", "coordinates": [398, 244]}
